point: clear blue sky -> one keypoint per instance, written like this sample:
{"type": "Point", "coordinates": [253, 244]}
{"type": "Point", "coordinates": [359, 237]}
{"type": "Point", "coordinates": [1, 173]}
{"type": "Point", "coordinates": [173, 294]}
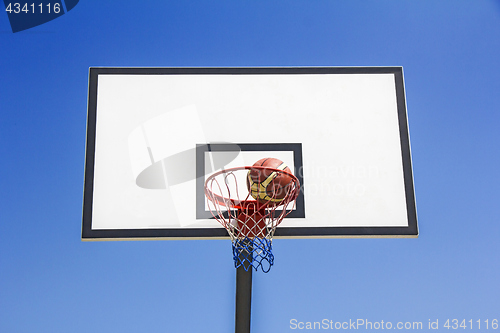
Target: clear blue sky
{"type": "Point", "coordinates": [50, 281]}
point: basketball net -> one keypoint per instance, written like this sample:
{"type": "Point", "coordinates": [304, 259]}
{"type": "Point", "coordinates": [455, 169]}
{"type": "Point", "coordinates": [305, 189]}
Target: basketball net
{"type": "Point", "coordinates": [250, 223]}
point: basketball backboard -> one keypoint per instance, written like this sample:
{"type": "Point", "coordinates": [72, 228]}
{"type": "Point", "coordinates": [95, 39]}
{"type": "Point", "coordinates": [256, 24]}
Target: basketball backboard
{"type": "Point", "coordinates": [155, 134]}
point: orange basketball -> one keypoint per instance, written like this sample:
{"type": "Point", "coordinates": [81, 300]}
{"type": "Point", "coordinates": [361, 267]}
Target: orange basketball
{"type": "Point", "coordinates": [269, 186]}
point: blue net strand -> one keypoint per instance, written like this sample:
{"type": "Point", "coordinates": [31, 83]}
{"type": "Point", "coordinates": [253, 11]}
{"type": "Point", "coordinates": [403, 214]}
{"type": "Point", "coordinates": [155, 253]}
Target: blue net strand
{"type": "Point", "coordinates": [253, 253]}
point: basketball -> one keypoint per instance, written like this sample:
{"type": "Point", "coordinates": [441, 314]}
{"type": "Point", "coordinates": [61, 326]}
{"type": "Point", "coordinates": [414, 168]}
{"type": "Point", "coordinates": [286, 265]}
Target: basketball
{"type": "Point", "coordinates": [269, 186]}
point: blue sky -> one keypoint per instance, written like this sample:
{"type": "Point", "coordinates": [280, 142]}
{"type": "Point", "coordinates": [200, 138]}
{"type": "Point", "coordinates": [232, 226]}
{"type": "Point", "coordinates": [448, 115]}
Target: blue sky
{"type": "Point", "coordinates": [50, 281]}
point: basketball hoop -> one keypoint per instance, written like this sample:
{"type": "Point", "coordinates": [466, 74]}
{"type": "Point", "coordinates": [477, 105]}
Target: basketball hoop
{"type": "Point", "coordinates": [250, 202]}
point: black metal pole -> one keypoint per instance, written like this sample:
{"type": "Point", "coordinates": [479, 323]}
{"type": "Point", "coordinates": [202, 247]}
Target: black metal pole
{"type": "Point", "coordinates": [243, 299]}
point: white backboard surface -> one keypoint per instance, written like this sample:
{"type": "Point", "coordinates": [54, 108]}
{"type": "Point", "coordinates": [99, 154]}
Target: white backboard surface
{"type": "Point", "coordinates": [155, 134]}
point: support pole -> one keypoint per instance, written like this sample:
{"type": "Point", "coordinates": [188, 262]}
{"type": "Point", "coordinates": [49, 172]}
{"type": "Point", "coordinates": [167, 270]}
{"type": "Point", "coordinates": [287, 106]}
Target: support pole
{"type": "Point", "coordinates": [243, 299]}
